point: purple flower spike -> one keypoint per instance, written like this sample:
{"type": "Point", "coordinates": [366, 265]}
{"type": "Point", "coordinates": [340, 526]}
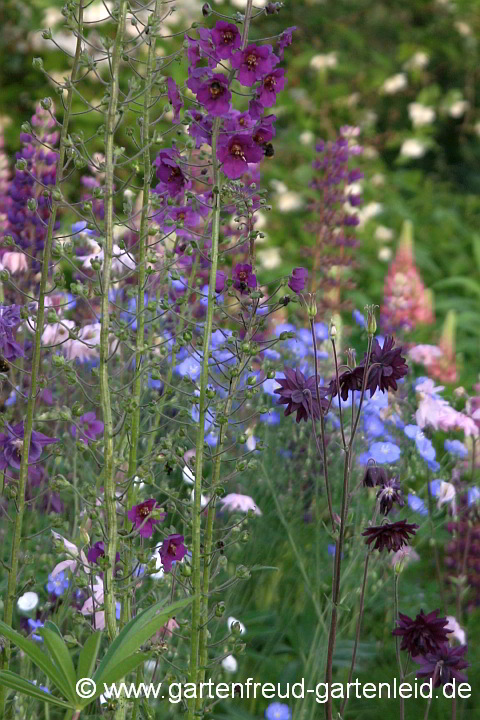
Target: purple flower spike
{"type": "Point", "coordinates": [226, 38]}
{"type": "Point", "coordinates": [235, 154]}
{"type": "Point", "coordinates": [91, 428]}
{"type": "Point", "coordinates": [11, 445]}
{"type": "Point", "coordinates": [244, 278]}
{"type": "Point", "coordinates": [298, 279]}
{"type": "Point", "coordinates": [140, 516]}
{"type": "Point", "coordinates": [172, 550]}
{"type": "Point", "coordinates": [253, 63]}
{"type": "Point", "coordinates": [215, 95]}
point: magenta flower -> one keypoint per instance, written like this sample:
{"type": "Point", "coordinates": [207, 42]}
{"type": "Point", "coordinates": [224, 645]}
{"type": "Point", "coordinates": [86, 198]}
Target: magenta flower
{"type": "Point", "coordinates": [174, 98]}
{"type": "Point", "coordinates": [244, 278]}
{"type": "Point", "coordinates": [265, 130]}
{"type": "Point", "coordinates": [11, 446]}
{"type": "Point", "coordinates": [253, 63]}
{"type": "Point", "coordinates": [215, 95]}
{"type": "Point", "coordinates": [285, 40]}
{"type": "Point", "coordinates": [235, 153]}
{"type": "Point", "coordinates": [172, 550]}
{"type": "Point", "coordinates": [140, 516]}
{"type": "Point", "coordinates": [172, 179]}
{"type": "Point", "coordinates": [91, 427]}
{"type": "Point", "coordinates": [98, 551]}
{"type": "Point", "coordinates": [271, 85]}
{"type": "Point", "coordinates": [226, 38]}
{"type": "Point", "coordinates": [220, 280]}
{"type": "Point", "coordinates": [298, 279]}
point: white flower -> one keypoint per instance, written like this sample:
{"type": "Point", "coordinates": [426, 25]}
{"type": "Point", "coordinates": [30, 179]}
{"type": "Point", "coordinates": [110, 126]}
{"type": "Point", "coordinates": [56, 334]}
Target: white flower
{"type": "Point", "coordinates": [420, 114]}
{"type": "Point", "coordinates": [158, 575]}
{"type": "Point", "coordinates": [289, 201]}
{"type": "Point", "coordinates": [383, 233]}
{"type": "Point", "coordinates": [394, 84]}
{"type": "Point", "coordinates": [477, 129]}
{"type": "Point", "coordinates": [413, 148]}
{"type": "Point", "coordinates": [458, 109]}
{"type": "Point", "coordinates": [462, 28]}
{"type": "Point", "coordinates": [368, 212]}
{"type": "Point", "coordinates": [322, 62]}
{"type": "Point", "coordinates": [188, 476]}
{"type": "Point", "coordinates": [279, 186]}
{"type": "Point", "coordinates": [378, 179]}
{"type": "Point", "coordinates": [455, 630]}
{"type": "Point", "coordinates": [27, 602]}
{"type": "Point", "coordinates": [446, 494]}
{"type": "Point", "coordinates": [269, 258]}
{"type": "Point", "coordinates": [418, 61]}
{"type": "Point", "coordinates": [235, 502]}
{"type": "Point", "coordinates": [385, 254]}
{"type": "Point", "coordinates": [203, 499]}
{"type": "Point", "coordinates": [230, 664]}
{"type": "Point", "coordinates": [231, 621]}
{"type": "Point", "coordinates": [306, 137]}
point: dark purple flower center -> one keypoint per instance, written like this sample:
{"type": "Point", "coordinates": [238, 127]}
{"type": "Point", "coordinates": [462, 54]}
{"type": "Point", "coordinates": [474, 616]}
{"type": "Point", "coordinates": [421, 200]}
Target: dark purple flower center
{"type": "Point", "coordinates": [251, 61]}
{"type": "Point", "coordinates": [172, 549]}
{"type": "Point", "coordinates": [144, 511]}
{"type": "Point", "coordinates": [237, 150]}
{"type": "Point", "coordinates": [270, 83]}
{"type": "Point", "coordinates": [258, 138]}
{"type": "Point", "coordinates": [242, 275]}
{"type": "Point", "coordinates": [216, 89]}
{"type": "Point", "coordinates": [228, 37]}
{"type": "Point", "coordinates": [176, 173]}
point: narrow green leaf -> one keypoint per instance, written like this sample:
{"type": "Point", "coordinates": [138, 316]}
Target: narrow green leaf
{"type": "Point", "coordinates": [137, 631]}
{"type": "Point", "coordinates": [37, 657]}
{"type": "Point", "coordinates": [15, 682]}
{"type": "Point", "coordinates": [118, 672]}
{"type": "Point", "coordinates": [88, 656]}
{"type": "Point", "coordinates": [61, 656]}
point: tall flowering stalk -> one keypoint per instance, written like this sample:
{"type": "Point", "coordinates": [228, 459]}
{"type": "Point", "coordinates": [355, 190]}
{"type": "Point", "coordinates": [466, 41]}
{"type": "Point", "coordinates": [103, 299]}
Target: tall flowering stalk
{"type": "Point", "coordinates": [55, 199]}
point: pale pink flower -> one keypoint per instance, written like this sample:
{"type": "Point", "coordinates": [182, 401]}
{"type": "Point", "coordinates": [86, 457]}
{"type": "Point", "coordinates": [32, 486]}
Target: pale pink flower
{"type": "Point", "coordinates": [424, 354]}
{"type": "Point", "coordinates": [447, 494]}
{"type": "Point", "coordinates": [405, 555]}
{"type": "Point", "coordinates": [57, 333]}
{"type": "Point", "coordinates": [72, 563]}
{"type": "Point", "coordinates": [455, 630]}
{"type": "Point", "coordinates": [241, 503]}
{"type": "Point", "coordinates": [122, 260]}
{"type": "Point", "coordinates": [85, 348]}
{"type": "Point", "coordinates": [15, 262]}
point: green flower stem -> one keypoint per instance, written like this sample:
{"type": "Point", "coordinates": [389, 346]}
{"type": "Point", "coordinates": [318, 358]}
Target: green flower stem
{"type": "Point", "coordinates": [109, 469]}
{"type": "Point", "coordinates": [141, 279]}
{"type": "Point", "coordinates": [37, 344]}
{"type": "Point", "coordinates": [397, 641]}
{"type": "Point", "coordinates": [197, 508]}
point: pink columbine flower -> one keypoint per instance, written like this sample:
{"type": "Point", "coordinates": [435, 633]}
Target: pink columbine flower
{"type": "Point", "coordinates": [235, 502]}
{"type": "Point", "coordinates": [15, 262]}
{"type": "Point", "coordinates": [455, 630]}
{"type": "Point", "coordinates": [72, 563]}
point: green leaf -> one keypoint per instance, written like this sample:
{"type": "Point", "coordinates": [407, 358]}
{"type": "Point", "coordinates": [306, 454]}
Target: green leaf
{"type": "Point", "coordinates": [15, 682]}
{"type": "Point", "coordinates": [118, 672]}
{"type": "Point", "coordinates": [88, 656]}
{"type": "Point", "coordinates": [60, 654]}
{"type": "Point", "coordinates": [136, 632]}
{"type": "Point", "coordinates": [37, 657]}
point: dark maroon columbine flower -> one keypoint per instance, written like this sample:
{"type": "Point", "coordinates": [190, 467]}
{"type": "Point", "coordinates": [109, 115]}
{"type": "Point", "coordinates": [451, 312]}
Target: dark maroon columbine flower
{"type": "Point", "coordinates": [174, 98]}
{"type": "Point", "coordinates": [140, 516]}
{"type": "Point", "coordinates": [299, 394]}
{"type": "Point", "coordinates": [271, 85]}
{"type": "Point", "coordinates": [172, 550]}
{"type": "Point", "coordinates": [425, 634]}
{"type": "Point", "coordinates": [253, 63]}
{"type": "Point", "coordinates": [374, 475]}
{"type": "Point", "coordinates": [9, 321]}
{"type": "Point", "coordinates": [226, 38]}
{"type": "Point", "coordinates": [220, 281]}
{"type": "Point", "coordinates": [11, 445]}
{"type": "Point", "coordinates": [243, 278]}
{"type": "Point", "coordinates": [350, 380]}
{"type": "Point", "coordinates": [215, 95]}
{"type": "Point", "coordinates": [391, 536]}
{"type": "Point", "coordinates": [444, 665]}
{"type": "Point", "coordinates": [236, 152]}
{"type": "Point", "coordinates": [298, 279]}
{"type": "Point", "coordinates": [172, 179]}
{"type": "Point", "coordinates": [390, 493]}
{"type": "Point", "coordinates": [90, 427]}
{"type": "Point", "coordinates": [386, 366]}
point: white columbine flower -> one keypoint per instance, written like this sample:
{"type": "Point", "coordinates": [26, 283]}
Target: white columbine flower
{"type": "Point", "coordinates": [394, 84]}
{"type": "Point", "coordinates": [413, 148]}
{"type": "Point", "coordinates": [420, 114]}
{"type": "Point", "coordinates": [231, 621]}
{"type": "Point", "coordinates": [230, 664]}
{"type": "Point", "coordinates": [458, 109]}
{"type": "Point", "coordinates": [323, 62]}
{"type": "Point", "coordinates": [188, 476]}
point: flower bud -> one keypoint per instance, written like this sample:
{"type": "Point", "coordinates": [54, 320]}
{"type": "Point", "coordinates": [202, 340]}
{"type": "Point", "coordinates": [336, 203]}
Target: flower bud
{"type": "Point", "coordinates": [371, 320]}
{"type": "Point", "coordinates": [21, 164]}
{"type": "Point", "coordinates": [32, 204]}
{"type": "Point", "coordinates": [37, 63]}
{"type": "Point", "coordinates": [333, 330]}
{"type": "Point", "coordinates": [46, 103]}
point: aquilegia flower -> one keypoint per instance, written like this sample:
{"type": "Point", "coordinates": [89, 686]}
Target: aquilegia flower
{"type": "Point", "coordinates": [298, 279]}
{"type": "Point", "coordinates": [391, 536]}
{"type": "Point", "coordinates": [374, 476]}
{"type": "Point", "coordinates": [386, 366]}
{"type": "Point", "coordinates": [236, 502]}
{"type": "Point", "coordinates": [9, 321]}
{"type": "Point", "coordinates": [141, 517]}
{"type": "Point", "coordinates": [389, 494]}
{"type": "Point", "coordinates": [299, 394]}
{"type": "Point", "coordinates": [172, 550]}
{"type": "Point", "coordinates": [424, 634]}
{"type": "Point", "coordinates": [445, 664]}
{"type": "Point", "coordinates": [11, 445]}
